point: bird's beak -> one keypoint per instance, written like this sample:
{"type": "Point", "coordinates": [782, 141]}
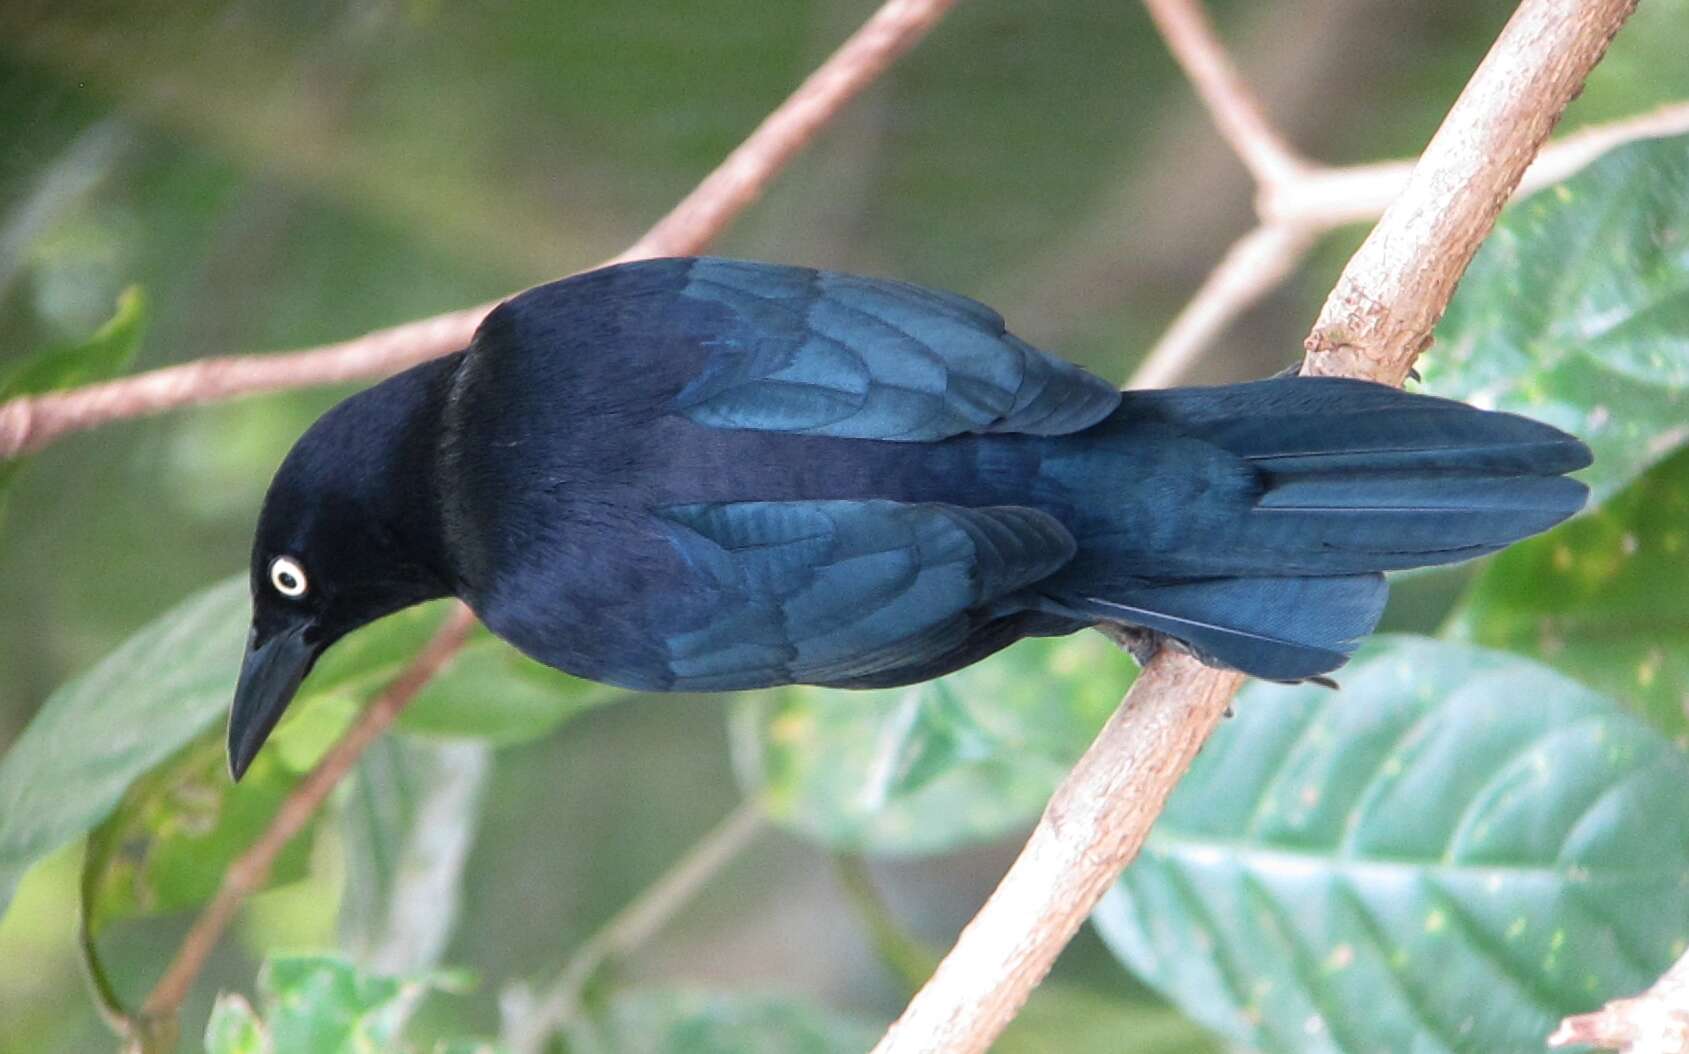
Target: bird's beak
{"type": "Point", "coordinates": [269, 676]}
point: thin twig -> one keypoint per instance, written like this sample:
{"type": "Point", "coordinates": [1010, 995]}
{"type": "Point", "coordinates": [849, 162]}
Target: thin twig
{"type": "Point", "coordinates": [1326, 198]}
{"type": "Point", "coordinates": [1298, 200]}
{"type": "Point", "coordinates": [247, 873]}
{"type": "Point", "coordinates": [1319, 199]}
{"type": "Point", "coordinates": [1236, 111]}
{"type": "Point", "coordinates": [29, 424]}
{"type": "Point", "coordinates": [1254, 266]}
{"type": "Point", "coordinates": [635, 924]}
{"type": "Point", "coordinates": [740, 180]}
{"type": "Point", "coordinates": [1102, 812]}
{"type": "Point", "coordinates": [1295, 213]}
{"type": "Point", "coordinates": [1655, 1022]}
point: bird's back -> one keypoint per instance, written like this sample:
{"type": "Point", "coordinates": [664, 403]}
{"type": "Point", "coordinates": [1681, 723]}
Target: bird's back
{"type": "Point", "coordinates": [587, 411]}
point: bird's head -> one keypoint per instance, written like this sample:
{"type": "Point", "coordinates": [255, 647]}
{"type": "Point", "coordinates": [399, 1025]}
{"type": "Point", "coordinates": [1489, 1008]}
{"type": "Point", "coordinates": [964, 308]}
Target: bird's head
{"type": "Point", "coordinates": [346, 536]}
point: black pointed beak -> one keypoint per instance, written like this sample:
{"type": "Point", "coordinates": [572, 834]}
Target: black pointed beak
{"type": "Point", "coordinates": [269, 677]}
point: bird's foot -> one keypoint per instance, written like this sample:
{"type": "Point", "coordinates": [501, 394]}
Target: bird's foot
{"type": "Point", "coordinates": [1295, 370]}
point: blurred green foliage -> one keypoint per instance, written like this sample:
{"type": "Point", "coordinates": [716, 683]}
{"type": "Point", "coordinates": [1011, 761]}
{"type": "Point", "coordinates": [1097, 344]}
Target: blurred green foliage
{"type": "Point", "coordinates": [319, 1004]}
{"type": "Point", "coordinates": [966, 758]}
{"type": "Point", "coordinates": [1575, 308]}
{"type": "Point", "coordinates": [105, 354]}
{"type": "Point", "coordinates": [278, 174]}
{"type": "Point", "coordinates": [1604, 598]}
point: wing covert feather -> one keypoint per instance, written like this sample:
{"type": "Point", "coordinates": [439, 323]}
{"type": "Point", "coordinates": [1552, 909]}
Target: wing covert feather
{"type": "Point", "coordinates": [823, 353]}
{"type": "Point", "coordinates": [823, 591]}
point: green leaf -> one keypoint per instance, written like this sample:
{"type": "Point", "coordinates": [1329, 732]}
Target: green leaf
{"type": "Point", "coordinates": [175, 832]}
{"type": "Point", "coordinates": [101, 731]}
{"type": "Point", "coordinates": [234, 1027]}
{"type": "Point", "coordinates": [494, 693]}
{"type": "Point", "coordinates": [407, 822]}
{"type": "Point", "coordinates": [671, 1022]}
{"type": "Point", "coordinates": [1451, 853]}
{"type": "Point", "coordinates": [102, 356]}
{"type": "Point", "coordinates": [1576, 311]}
{"type": "Point", "coordinates": [1604, 598]}
{"type": "Point", "coordinates": [490, 690]}
{"type": "Point", "coordinates": [962, 759]}
{"type": "Point", "coordinates": [321, 1004]}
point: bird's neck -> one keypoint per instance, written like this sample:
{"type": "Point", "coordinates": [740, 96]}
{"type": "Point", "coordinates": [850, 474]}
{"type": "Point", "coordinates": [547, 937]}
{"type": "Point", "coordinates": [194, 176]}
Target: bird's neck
{"type": "Point", "coordinates": [401, 481]}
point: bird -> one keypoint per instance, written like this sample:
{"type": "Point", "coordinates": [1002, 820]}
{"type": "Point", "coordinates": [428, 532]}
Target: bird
{"type": "Point", "coordinates": [699, 474]}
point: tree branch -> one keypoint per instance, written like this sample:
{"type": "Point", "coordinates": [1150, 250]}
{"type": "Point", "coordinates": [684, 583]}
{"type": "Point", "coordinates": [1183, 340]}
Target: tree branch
{"type": "Point", "coordinates": [1102, 812]}
{"type": "Point", "coordinates": [1235, 110]}
{"type": "Point", "coordinates": [1319, 199]}
{"type": "Point", "coordinates": [1655, 1022]}
{"type": "Point", "coordinates": [30, 423]}
{"type": "Point", "coordinates": [740, 180]}
{"type": "Point", "coordinates": [1381, 314]}
{"type": "Point", "coordinates": [1254, 266]}
{"type": "Point", "coordinates": [1325, 198]}
{"type": "Point", "coordinates": [527, 1030]}
{"type": "Point", "coordinates": [1298, 200]}
{"type": "Point", "coordinates": [1094, 824]}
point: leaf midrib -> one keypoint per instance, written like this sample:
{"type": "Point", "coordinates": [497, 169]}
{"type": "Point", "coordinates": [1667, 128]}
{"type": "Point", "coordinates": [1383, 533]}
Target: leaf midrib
{"type": "Point", "coordinates": [1180, 845]}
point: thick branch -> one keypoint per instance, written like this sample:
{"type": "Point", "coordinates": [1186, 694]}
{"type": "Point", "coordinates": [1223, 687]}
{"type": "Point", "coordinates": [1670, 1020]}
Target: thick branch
{"type": "Point", "coordinates": [1296, 212]}
{"type": "Point", "coordinates": [1332, 197]}
{"type": "Point", "coordinates": [1092, 827]}
{"type": "Point", "coordinates": [1390, 296]}
{"type": "Point", "coordinates": [31, 423]}
{"type": "Point", "coordinates": [1102, 812]}
{"type": "Point", "coordinates": [1655, 1022]}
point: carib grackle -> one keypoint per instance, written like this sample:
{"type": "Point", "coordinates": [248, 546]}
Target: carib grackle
{"type": "Point", "coordinates": [707, 475]}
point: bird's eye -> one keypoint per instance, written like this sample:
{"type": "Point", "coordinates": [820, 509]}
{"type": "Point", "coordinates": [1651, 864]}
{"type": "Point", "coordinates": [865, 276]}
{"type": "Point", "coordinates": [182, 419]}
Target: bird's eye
{"type": "Point", "coordinates": [287, 576]}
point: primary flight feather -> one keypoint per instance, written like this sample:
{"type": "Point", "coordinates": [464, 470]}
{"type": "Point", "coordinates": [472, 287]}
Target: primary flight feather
{"type": "Point", "coordinates": [708, 475]}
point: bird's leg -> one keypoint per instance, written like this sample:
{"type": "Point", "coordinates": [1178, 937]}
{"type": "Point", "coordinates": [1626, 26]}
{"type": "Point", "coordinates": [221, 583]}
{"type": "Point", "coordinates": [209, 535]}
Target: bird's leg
{"type": "Point", "coordinates": [1141, 643]}
{"type": "Point", "coordinates": [1144, 643]}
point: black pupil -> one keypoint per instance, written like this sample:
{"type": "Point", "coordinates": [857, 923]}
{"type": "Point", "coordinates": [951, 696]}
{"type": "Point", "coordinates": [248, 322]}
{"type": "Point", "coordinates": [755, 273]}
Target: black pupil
{"type": "Point", "coordinates": [287, 580]}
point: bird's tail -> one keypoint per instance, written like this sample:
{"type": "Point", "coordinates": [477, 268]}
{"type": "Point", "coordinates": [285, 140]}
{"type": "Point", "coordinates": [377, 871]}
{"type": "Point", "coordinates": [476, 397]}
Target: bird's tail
{"type": "Point", "coordinates": [1310, 488]}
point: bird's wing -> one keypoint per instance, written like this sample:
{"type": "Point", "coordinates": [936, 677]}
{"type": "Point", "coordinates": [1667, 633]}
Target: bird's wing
{"type": "Point", "coordinates": [822, 353]}
{"type": "Point", "coordinates": [822, 592]}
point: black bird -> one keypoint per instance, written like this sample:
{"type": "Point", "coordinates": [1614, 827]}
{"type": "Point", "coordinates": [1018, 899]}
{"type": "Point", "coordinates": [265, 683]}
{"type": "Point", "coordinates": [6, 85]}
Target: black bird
{"type": "Point", "coordinates": [704, 474]}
